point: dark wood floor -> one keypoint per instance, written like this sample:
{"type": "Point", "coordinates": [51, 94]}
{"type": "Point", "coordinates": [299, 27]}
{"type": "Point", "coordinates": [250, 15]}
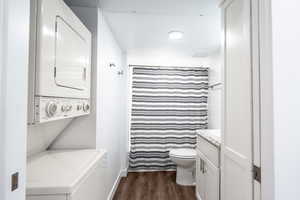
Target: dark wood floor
{"type": "Point", "coordinates": [153, 186]}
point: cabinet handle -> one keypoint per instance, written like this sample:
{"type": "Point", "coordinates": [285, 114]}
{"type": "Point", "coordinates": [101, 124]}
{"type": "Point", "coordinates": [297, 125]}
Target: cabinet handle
{"type": "Point", "coordinates": [84, 74]}
{"type": "Point", "coordinates": [201, 165]}
{"type": "Point", "coordinates": [204, 168]}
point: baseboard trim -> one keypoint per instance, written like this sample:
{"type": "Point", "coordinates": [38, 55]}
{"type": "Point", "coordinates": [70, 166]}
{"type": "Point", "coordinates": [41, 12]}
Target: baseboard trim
{"type": "Point", "coordinates": [198, 196]}
{"type": "Point", "coordinates": [114, 188]}
{"type": "Point", "coordinates": [151, 170]}
{"type": "Point", "coordinates": [122, 173]}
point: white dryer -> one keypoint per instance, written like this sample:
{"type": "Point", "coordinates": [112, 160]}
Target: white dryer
{"type": "Point", "coordinates": [60, 63]}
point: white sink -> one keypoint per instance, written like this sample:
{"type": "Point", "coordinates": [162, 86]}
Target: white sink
{"type": "Point", "coordinates": [211, 134]}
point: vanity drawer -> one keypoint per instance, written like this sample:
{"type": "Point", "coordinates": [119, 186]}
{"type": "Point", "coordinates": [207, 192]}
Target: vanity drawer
{"type": "Point", "coordinates": [209, 150]}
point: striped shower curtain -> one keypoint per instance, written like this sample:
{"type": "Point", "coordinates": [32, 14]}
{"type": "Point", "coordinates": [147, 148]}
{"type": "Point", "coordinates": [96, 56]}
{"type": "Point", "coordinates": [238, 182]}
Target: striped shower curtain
{"type": "Point", "coordinates": [168, 105]}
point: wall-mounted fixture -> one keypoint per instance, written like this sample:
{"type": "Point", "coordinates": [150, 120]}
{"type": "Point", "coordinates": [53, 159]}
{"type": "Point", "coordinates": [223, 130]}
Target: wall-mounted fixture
{"type": "Point", "coordinates": [175, 35]}
{"type": "Point", "coordinates": [121, 72]}
{"type": "Point", "coordinates": [214, 85]}
{"type": "Point", "coordinates": [112, 65]}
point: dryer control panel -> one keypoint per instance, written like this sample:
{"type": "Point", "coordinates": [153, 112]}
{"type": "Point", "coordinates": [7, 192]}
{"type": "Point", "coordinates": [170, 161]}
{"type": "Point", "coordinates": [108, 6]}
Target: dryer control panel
{"type": "Point", "coordinates": [50, 109]}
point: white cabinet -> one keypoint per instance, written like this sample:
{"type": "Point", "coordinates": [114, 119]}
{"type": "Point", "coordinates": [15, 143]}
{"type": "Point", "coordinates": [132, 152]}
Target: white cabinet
{"type": "Point", "coordinates": [207, 171]}
{"type": "Point", "coordinates": [200, 178]}
{"type": "Point", "coordinates": [82, 175]}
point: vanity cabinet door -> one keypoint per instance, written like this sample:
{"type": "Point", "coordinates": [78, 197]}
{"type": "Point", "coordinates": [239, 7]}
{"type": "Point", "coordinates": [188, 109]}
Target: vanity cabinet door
{"type": "Point", "coordinates": [207, 178]}
{"type": "Point", "coordinates": [200, 178]}
{"type": "Point", "coordinates": [212, 184]}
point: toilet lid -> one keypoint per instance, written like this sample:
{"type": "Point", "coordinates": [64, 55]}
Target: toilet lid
{"type": "Point", "coordinates": [183, 153]}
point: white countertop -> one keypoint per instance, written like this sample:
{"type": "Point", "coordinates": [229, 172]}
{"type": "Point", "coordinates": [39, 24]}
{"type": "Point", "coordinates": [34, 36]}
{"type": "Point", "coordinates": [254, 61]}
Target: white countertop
{"type": "Point", "coordinates": [58, 172]}
{"type": "Point", "coordinates": [211, 135]}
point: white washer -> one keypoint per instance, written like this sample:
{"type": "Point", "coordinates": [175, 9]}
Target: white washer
{"type": "Point", "coordinates": [66, 175]}
{"type": "Point", "coordinates": [60, 62]}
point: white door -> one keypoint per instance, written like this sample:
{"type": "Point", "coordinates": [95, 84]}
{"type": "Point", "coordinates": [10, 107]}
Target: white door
{"type": "Point", "coordinates": [236, 151]}
{"type": "Point", "coordinates": [211, 181]}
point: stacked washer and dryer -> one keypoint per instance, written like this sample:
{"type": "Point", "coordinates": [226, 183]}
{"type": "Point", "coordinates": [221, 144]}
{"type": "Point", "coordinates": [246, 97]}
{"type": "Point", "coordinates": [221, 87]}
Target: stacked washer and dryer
{"type": "Point", "coordinates": [59, 88]}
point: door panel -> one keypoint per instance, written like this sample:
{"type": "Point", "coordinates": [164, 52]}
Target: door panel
{"type": "Point", "coordinates": [70, 72]}
{"type": "Point", "coordinates": [212, 181]}
{"type": "Point", "coordinates": [200, 177]}
{"type": "Point", "coordinates": [237, 127]}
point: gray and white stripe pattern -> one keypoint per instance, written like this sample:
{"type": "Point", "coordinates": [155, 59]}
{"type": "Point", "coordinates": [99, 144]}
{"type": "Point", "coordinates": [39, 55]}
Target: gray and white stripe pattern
{"type": "Point", "coordinates": [168, 105]}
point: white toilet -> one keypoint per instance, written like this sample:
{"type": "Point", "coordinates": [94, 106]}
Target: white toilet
{"type": "Point", "coordinates": [185, 160]}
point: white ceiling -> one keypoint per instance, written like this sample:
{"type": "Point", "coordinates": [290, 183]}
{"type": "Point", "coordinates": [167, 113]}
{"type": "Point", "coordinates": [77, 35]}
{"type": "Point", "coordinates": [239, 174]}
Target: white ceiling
{"type": "Point", "coordinates": [177, 7]}
{"type": "Point", "coordinates": [144, 24]}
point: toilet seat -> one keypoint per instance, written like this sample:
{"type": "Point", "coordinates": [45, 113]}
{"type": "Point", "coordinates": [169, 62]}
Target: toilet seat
{"type": "Point", "coordinates": [183, 153]}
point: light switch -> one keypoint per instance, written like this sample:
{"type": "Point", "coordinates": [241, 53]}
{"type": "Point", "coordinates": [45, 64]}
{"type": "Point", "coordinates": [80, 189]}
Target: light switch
{"type": "Point", "coordinates": [14, 181]}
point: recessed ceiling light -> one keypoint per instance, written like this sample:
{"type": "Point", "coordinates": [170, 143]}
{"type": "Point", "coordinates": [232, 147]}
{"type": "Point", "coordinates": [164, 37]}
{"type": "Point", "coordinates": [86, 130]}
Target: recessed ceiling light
{"type": "Point", "coordinates": [175, 35]}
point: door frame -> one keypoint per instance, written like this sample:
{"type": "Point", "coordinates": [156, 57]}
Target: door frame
{"type": "Point", "coordinates": [266, 100]}
{"type": "Point", "coordinates": [263, 139]}
{"type": "Point", "coordinates": [14, 49]}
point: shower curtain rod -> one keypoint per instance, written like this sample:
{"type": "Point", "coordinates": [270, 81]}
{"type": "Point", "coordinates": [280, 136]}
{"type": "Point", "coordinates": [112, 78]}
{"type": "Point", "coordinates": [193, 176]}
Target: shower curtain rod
{"type": "Point", "coordinates": [164, 66]}
{"type": "Point", "coordinates": [214, 85]}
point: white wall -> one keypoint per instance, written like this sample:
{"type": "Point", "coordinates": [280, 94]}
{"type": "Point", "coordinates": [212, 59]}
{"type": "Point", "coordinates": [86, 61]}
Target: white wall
{"type": "Point", "coordinates": [286, 81]}
{"type": "Point", "coordinates": [111, 121]}
{"type": "Point", "coordinates": [40, 136]}
{"type": "Point", "coordinates": [14, 28]}
{"type": "Point", "coordinates": [163, 58]}
{"type": "Point", "coordinates": [215, 94]}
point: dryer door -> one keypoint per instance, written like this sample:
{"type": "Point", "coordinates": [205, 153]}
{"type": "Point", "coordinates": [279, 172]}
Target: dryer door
{"type": "Point", "coordinates": [71, 57]}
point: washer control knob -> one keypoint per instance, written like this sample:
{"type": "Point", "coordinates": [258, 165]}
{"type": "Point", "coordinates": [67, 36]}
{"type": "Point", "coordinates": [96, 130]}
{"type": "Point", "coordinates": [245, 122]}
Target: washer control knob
{"type": "Point", "coordinates": [63, 108]}
{"type": "Point", "coordinates": [86, 107]}
{"type": "Point", "coordinates": [51, 109]}
{"type": "Point", "coordinates": [79, 107]}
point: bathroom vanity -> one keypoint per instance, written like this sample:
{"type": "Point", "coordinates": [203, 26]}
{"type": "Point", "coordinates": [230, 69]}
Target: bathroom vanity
{"type": "Point", "coordinates": [208, 165]}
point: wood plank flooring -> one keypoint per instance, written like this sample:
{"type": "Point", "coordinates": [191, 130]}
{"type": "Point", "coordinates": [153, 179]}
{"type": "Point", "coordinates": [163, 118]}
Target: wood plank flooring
{"type": "Point", "coordinates": [153, 186]}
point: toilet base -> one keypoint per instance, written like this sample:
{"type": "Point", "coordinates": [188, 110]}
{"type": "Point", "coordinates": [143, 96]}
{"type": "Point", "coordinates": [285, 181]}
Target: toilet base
{"type": "Point", "coordinates": [185, 176]}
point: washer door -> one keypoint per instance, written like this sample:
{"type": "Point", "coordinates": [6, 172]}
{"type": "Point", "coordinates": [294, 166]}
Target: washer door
{"type": "Point", "coordinates": [71, 57]}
